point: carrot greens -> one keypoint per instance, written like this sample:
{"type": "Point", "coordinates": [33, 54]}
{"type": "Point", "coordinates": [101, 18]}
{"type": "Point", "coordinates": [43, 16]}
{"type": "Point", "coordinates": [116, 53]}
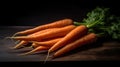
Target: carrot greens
{"type": "Point", "coordinates": [102, 22]}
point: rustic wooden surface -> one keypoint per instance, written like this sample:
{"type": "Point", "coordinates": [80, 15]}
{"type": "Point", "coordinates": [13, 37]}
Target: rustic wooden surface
{"type": "Point", "coordinates": [101, 50]}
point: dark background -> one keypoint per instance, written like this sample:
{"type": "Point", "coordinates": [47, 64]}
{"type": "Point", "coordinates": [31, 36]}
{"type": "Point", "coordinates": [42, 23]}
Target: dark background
{"type": "Point", "coordinates": [25, 13]}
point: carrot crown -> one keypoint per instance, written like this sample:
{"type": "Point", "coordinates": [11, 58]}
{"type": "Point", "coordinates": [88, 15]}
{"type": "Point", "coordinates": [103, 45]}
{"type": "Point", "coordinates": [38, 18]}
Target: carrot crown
{"type": "Point", "coordinates": [102, 22]}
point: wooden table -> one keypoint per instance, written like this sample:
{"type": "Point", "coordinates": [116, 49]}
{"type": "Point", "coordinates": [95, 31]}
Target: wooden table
{"type": "Point", "coordinates": [101, 50]}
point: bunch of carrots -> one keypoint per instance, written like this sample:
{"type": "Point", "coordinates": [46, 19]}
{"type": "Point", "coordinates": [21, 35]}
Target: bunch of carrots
{"type": "Point", "coordinates": [65, 35]}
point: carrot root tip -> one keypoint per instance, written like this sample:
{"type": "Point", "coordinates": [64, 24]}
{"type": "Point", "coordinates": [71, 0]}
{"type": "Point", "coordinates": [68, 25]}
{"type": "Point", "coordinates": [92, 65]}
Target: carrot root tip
{"type": "Point", "coordinates": [12, 48]}
{"type": "Point", "coordinates": [9, 37]}
{"type": "Point", "coordinates": [47, 57]}
{"type": "Point", "coordinates": [23, 54]}
{"type": "Point", "coordinates": [15, 34]}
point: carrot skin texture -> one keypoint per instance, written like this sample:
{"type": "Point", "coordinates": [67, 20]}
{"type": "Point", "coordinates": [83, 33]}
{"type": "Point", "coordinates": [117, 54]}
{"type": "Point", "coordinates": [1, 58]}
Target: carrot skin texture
{"type": "Point", "coordinates": [46, 43]}
{"type": "Point", "coordinates": [40, 48]}
{"type": "Point", "coordinates": [78, 31]}
{"type": "Point", "coordinates": [51, 34]}
{"type": "Point", "coordinates": [20, 44]}
{"type": "Point", "coordinates": [59, 23]}
{"type": "Point", "coordinates": [41, 32]}
{"type": "Point", "coordinates": [89, 38]}
{"type": "Point", "coordinates": [23, 42]}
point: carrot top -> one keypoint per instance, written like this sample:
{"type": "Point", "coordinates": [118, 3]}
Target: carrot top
{"type": "Point", "coordinates": [102, 22]}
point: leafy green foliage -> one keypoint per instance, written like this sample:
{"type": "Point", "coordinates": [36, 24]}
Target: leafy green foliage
{"type": "Point", "coordinates": [113, 28]}
{"type": "Point", "coordinates": [101, 22]}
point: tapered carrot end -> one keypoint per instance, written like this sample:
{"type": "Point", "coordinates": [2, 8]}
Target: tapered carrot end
{"type": "Point", "coordinates": [23, 54]}
{"type": "Point", "coordinates": [15, 34]}
{"type": "Point", "coordinates": [46, 58]}
{"type": "Point", "coordinates": [18, 46]}
{"type": "Point", "coordinates": [9, 37]}
{"type": "Point", "coordinates": [12, 48]}
{"type": "Point", "coordinates": [15, 47]}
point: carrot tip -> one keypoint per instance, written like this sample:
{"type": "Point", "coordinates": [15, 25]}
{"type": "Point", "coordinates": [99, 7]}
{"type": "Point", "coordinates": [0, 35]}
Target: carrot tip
{"type": "Point", "coordinates": [18, 47]}
{"type": "Point", "coordinates": [23, 54]}
{"type": "Point", "coordinates": [12, 48]}
{"type": "Point", "coordinates": [46, 57]}
{"type": "Point", "coordinates": [15, 34]}
{"type": "Point", "coordinates": [9, 37]}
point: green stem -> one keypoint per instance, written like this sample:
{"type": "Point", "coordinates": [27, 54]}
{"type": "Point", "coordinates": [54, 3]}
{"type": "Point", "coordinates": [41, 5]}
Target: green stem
{"type": "Point", "coordinates": [78, 23]}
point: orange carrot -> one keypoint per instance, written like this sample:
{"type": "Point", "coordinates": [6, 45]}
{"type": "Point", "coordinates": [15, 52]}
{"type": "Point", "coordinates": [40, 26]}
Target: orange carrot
{"type": "Point", "coordinates": [23, 42]}
{"type": "Point", "coordinates": [40, 48]}
{"type": "Point", "coordinates": [78, 31]}
{"type": "Point", "coordinates": [46, 43]}
{"type": "Point", "coordinates": [89, 38]}
{"type": "Point", "coordinates": [42, 32]}
{"type": "Point", "coordinates": [59, 23]}
{"type": "Point", "coordinates": [50, 34]}
{"type": "Point", "coordinates": [20, 44]}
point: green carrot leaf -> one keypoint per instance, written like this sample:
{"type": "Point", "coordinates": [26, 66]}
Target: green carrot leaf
{"type": "Point", "coordinates": [102, 22]}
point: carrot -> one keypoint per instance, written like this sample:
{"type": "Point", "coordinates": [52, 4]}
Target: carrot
{"type": "Point", "coordinates": [78, 31]}
{"type": "Point", "coordinates": [22, 43]}
{"type": "Point", "coordinates": [34, 34]}
{"type": "Point", "coordinates": [42, 31]}
{"type": "Point", "coordinates": [59, 23]}
{"type": "Point", "coordinates": [40, 48]}
{"type": "Point", "coordinates": [50, 34]}
{"type": "Point", "coordinates": [46, 43]}
{"type": "Point", "coordinates": [89, 38]}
